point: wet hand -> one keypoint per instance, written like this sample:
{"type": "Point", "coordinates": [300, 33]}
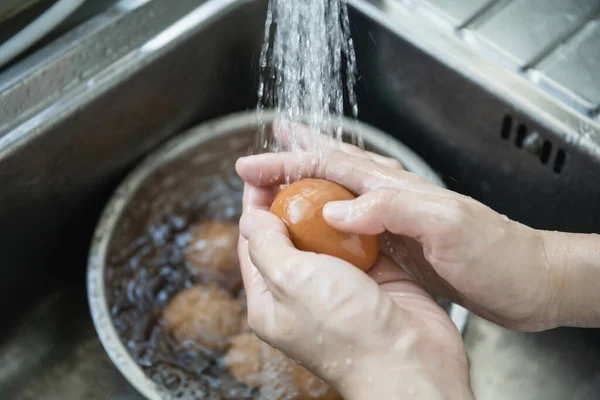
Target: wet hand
{"type": "Point", "coordinates": [376, 335]}
{"type": "Point", "coordinates": [450, 244]}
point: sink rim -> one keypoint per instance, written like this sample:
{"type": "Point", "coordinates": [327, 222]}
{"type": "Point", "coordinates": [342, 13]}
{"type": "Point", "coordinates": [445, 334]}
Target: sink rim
{"type": "Point", "coordinates": [174, 148]}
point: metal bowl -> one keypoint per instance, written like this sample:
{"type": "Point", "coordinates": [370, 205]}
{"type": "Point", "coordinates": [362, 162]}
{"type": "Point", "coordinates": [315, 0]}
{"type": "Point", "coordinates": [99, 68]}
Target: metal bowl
{"type": "Point", "coordinates": [186, 165]}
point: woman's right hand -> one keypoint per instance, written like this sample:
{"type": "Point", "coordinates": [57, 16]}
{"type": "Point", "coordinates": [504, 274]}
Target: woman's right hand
{"type": "Point", "coordinates": [449, 243]}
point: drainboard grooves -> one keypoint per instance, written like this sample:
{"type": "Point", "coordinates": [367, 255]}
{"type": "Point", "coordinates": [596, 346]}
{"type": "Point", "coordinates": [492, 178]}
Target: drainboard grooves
{"type": "Point", "coordinates": [572, 70]}
{"type": "Point", "coordinates": [525, 28]}
{"type": "Point", "coordinates": [456, 13]}
{"type": "Point", "coordinates": [555, 44]}
{"type": "Point", "coordinates": [564, 37]}
{"type": "Point", "coordinates": [484, 13]}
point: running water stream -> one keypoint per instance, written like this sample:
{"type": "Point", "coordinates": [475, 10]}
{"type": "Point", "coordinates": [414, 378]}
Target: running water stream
{"type": "Point", "coordinates": [307, 55]}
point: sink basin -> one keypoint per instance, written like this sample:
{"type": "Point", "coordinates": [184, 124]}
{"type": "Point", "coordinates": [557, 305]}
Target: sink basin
{"type": "Point", "coordinates": [76, 115]}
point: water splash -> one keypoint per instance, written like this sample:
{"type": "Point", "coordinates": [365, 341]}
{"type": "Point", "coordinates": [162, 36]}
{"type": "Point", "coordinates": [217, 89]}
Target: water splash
{"type": "Point", "coordinates": [306, 54]}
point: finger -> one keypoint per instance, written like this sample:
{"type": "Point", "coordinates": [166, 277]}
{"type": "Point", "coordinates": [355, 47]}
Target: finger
{"type": "Point", "coordinates": [257, 198]}
{"type": "Point", "coordinates": [357, 174]}
{"type": "Point", "coordinates": [305, 139]}
{"type": "Point", "coordinates": [396, 282]}
{"type": "Point", "coordinates": [387, 161]}
{"type": "Point", "coordinates": [253, 281]}
{"type": "Point", "coordinates": [272, 252]}
{"type": "Point", "coordinates": [402, 212]}
{"type": "Point", "coordinates": [256, 201]}
{"type": "Point", "coordinates": [255, 221]}
{"type": "Point", "coordinates": [288, 271]}
{"type": "Point", "coordinates": [400, 290]}
{"type": "Point", "coordinates": [385, 271]}
{"type": "Point", "coordinates": [258, 297]}
{"type": "Point", "coordinates": [256, 289]}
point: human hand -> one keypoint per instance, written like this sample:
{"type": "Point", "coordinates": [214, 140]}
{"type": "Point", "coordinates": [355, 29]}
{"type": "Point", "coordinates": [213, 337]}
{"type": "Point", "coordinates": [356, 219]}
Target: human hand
{"type": "Point", "coordinates": [449, 243]}
{"type": "Point", "coordinates": [376, 335]}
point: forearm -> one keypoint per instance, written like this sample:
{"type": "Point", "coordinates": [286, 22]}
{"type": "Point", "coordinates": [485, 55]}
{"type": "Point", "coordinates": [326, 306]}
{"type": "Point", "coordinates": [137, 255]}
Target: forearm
{"type": "Point", "coordinates": [575, 259]}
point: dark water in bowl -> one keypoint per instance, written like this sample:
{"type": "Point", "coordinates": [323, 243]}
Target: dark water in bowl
{"type": "Point", "coordinates": [146, 268]}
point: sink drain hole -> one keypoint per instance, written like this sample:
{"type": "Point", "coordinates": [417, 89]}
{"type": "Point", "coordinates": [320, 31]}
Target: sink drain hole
{"type": "Point", "coordinates": [559, 161]}
{"type": "Point", "coordinates": [521, 134]}
{"type": "Point", "coordinates": [506, 127]}
{"type": "Point", "coordinates": [546, 151]}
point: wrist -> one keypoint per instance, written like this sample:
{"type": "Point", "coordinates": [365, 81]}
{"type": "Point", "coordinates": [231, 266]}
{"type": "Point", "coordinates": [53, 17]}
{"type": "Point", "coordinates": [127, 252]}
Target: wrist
{"type": "Point", "coordinates": [574, 262]}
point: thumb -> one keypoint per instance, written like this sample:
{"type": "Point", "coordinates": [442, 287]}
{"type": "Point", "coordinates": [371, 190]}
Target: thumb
{"type": "Point", "coordinates": [411, 215]}
{"type": "Point", "coordinates": [402, 212]}
{"type": "Point", "coordinates": [269, 245]}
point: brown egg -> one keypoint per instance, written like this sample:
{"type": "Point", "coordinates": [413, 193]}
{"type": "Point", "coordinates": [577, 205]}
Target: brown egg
{"type": "Point", "coordinates": [300, 206]}
{"type": "Point", "coordinates": [206, 315]}
{"type": "Point", "coordinates": [211, 254]}
{"type": "Point", "coordinates": [278, 377]}
{"type": "Point", "coordinates": [244, 359]}
{"type": "Point", "coordinates": [284, 379]}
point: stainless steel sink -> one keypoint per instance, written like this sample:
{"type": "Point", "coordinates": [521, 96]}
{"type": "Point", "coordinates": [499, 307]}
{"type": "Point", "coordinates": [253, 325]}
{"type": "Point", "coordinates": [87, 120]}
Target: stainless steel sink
{"type": "Point", "coordinates": [77, 114]}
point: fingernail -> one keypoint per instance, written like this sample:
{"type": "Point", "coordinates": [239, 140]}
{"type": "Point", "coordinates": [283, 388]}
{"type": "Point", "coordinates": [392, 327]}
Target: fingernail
{"type": "Point", "coordinates": [336, 210]}
{"type": "Point", "coordinates": [247, 224]}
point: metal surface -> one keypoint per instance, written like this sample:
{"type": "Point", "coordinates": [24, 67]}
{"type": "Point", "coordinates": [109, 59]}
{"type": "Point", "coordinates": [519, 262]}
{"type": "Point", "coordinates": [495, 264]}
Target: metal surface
{"type": "Point", "coordinates": [553, 43]}
{"type": "Point", "coordinates": [63, 149]}
{"type": "Point", "coordinates": [457, 12]}
{"type": "Point", "coordinates": [37, 29]}
{"type": "Point", "coordinates": [554, 365]}
{"type": "Point", "coordinates": [13, 25]}
{"type": "Point", "coordinates": [574, 68]}
{"type": "Point", "coordinates": [54, 354]}
{"type": "Point", "coordinates": [10, 8]}
{"type": "Point", "coordinates": [197, 150]}
{"type": "Point", "coordinates": [523, 29]}
{"type": "Point", "coordinates": [73, 62]}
